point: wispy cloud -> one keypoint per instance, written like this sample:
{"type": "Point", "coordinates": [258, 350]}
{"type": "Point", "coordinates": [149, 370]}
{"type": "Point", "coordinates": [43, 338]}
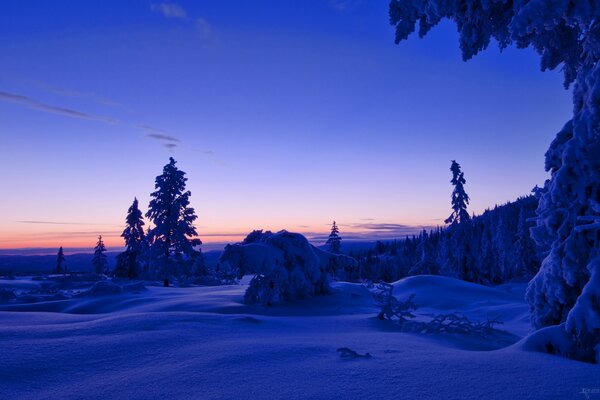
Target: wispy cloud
{"type": "Point", "coordinates": [76, 94]}
{"type": "Point", "coordinates": [344, 5]}
{"type": "Point", "coordinates": [67, 112]}
{"type": "Point", "coordinates": [170, 146]}
{"type": "Point", "coordinates": [169, 10]}
{"type": "Point", "coordinates": [175, 11]}
{"type": "Point", "coordinates": [59, 223]}
{"type": "Point", "coordinates": [160, 136]}
{"type": "Point", "coordinates": [204, 27]}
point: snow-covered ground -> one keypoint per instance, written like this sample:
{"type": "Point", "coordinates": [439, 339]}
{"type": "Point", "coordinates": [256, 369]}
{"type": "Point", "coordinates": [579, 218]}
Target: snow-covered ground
{"type": "Point", "coordinates": [203, 343]}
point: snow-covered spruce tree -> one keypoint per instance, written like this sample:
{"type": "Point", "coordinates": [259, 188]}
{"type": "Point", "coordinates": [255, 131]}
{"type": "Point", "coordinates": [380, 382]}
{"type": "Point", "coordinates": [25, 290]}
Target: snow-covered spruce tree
{"type": "Point", "coordinates": [334, 241]}
{"type": "Point", "coordinates": [460, 199]}
{"type": "Point", "coordinates": [60, 262]}
{"type": "Point", "coordinates": [426, 264]}
{"type": "Point", "coordinates": [566, 33]}
{"type": "Point", "coordinates": [173, 236]}
{"type": "Point", "coordinates": [129, 261]}
{"type": "Point", "coordinates": [526, 261]}
{"type": "Point", "coordinates": [99, 261]}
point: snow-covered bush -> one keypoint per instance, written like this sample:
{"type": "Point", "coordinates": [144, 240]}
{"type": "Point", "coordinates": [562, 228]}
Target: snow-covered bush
{"type": "Point", "coordinates": [285, 265]}
{"type": "Point", "coordinates": [566, 34]}
{"type": "Point", "coordinates": [402, 312]}
{"type": "Point", "coordinates": [457, 323]}
{"type": "Point", "coordinates": [391, 307]}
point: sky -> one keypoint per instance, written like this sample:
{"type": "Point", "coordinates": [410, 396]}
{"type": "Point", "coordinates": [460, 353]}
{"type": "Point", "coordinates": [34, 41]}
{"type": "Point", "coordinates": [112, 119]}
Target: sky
{"type": "Point", "coordinates": [284, 115]}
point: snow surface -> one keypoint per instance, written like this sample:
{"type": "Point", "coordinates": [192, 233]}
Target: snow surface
{"type": "Point", "coordinates": [146, 341]}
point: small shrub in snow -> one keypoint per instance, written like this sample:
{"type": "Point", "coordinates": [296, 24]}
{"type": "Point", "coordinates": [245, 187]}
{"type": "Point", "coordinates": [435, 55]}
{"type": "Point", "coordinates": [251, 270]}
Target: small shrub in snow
{"type": "Point", "coordinates": [346, 352]}
{"type": "Point", "coordinates": [391, 307]}
{"type": "Point", "coordinates": [402, 312]}
{"type": "Point", "coordinates": [457, 323]}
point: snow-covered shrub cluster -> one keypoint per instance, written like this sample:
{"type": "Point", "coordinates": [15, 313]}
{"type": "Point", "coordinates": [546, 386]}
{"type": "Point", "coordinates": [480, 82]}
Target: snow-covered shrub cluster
{"type": "Point", "coordinates": [565, 33]}
{"type": "Point", "coordinates": [391, 307]}
{"type": "Point", "coordinates": [491, 248]}
{"type": "Point", "coordinates": [457, 323]}
{"type": "Point", "coordinates": [284, 264]}
{"type": "Point", "coordinates": [402, 312]}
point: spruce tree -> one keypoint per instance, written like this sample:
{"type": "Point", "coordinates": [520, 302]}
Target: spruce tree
{"type": "Point", "coordinates": [60, 261]}
{"type": "Point", "coordinates": [460, 199]}
{"type": "Point", "coordinates": [173, 236]}
{"type": "Point", "coordinates": [99, 261]}
{"type": "Point", "coordinates": [128, 262]}
{"type": "Point", "coordinates": [334, 242]}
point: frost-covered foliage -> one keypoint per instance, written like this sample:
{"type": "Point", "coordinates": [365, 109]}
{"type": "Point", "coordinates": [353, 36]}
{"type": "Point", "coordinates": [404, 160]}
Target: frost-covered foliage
{"type": "Point", "coordinates": [565, 33]}
{"type": "Point", "coordinates": [403, 312]}
{"type": "Point", "coordinates": [334, 241]}
{"type": "Point", "coordinates": [492, 248]}
{"type": "Point", "coordinates": [391, 307]}
{"type": "Point", "coordinates": [99, 261]}
{"type": "Point", "coordinates": [460, 199]}
{"type": "Point", "coordinates": [173, 237]}
{"type": "Point", "coordinates": [285, 265]}
{"type": "Point", "coordinates": [129, 262]}
{"type": "Point", "coordinates": [61, 268]}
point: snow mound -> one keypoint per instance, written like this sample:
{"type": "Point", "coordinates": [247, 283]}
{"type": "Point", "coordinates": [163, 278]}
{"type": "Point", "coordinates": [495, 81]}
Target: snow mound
{"type": "Point", "coordinates": [102, 288]}
{"type": "Point", "coordinates": [444, 293]}
{"type": "Point", "coordinates": [439, 294]}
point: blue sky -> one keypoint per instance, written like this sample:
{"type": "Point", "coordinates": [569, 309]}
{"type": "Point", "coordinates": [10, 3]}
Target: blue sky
{"type": "Point", "coordinates": [284, 114]}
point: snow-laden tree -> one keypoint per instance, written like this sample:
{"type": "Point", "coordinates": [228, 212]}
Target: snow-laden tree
{"type": "Point", "coordinates": [460, 199]}
{"type": "Point", "coordinates": [128, 262]}
{"type": "Point", "coordinates": [426, 264]}
{"type": "Point", "coordinates": [526, 260]}
{"type": "Point", "coordinates": [565, 33]}
{"type": "Point", "coordinates": [60, 262]}
{"type": "Point", "coordinates": [173, 236]}
{"type": "Point", "coordinates": [99, 261]}
{"type": "Point", "coordinates": [334, 241]}
{"type": "Point", "coordinates": [285, 266]}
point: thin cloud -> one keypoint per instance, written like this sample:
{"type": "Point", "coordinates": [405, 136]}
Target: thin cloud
{"type": "Point", "coordinates": [175, 11]}
{"type": "Point", "coordinates": [204, 27]}
{"type": "Point", "coordinates": [384, 226]}
{"type": "Point", "coordinates": [344, 5]}
{"type": "Point", "coordinates": [58, 223]}
{"type": "Point", "coordinates": [170, 146]}
{"type": "Point", "coordinates": [67, 112]}
{"type": "Point", "coordinates": [76, 94]}
{"type": "Point", "coordinates": [160, 136]}
{"type": "Point", "coordinates": [169, 10]}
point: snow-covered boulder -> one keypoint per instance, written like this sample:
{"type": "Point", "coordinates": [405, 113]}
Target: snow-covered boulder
{"type": "Point", "coordinates": [285, 265]}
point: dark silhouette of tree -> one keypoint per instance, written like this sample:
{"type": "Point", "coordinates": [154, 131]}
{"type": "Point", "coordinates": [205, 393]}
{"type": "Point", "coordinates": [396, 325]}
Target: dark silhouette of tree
{"type": "Point", "coordinates": [460, 199]}
{"type": "Point", "coordinates": [334, 242]}
{"type": "Point", "coordinates": [99, 260]}
{"type": "Point", "coordinates": [61, 268]}
{"type": "Point", "coordinates": [128, 262]}
{"type": "Point", "coordinates": [173, 237]}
